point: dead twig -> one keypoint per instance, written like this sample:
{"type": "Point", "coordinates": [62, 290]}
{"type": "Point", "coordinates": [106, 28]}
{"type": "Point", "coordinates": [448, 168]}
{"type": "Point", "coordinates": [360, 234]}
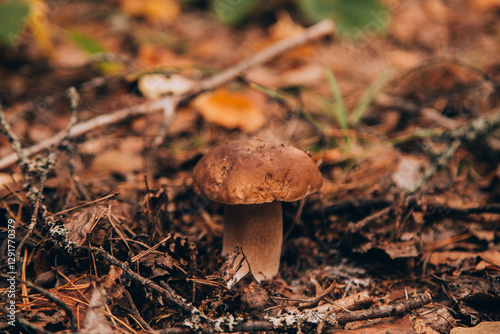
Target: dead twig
{"type": "Point", "coordinates": [294, 321]}
{"type": "Point", "coordinates": [385, 311]}
{"type": "Point", "coordinates": [169, 103]}
{"type": "Point", "coordinates": [44, 169]}
{"type": "Point", "coordinates": [316, 31]}
{"type": "Point", "coordinates": [480, 128]}
{"type": "Point", "coordinates": [92, 124]}
{"type": "Point", "coordinates": [315, 301]}
{"type": "Point", "coordinates": [452, 211]}
{"type": "Point", "coordinates": [169, 294]}
{"type": "Point", "coordinates": [136, 312]}
{"type": "Point", "coordinates": [19, 154]}
{"type": "Point", "coordinates": [356, 227]}
{"type": "Point", "coordinates": [110, 196]}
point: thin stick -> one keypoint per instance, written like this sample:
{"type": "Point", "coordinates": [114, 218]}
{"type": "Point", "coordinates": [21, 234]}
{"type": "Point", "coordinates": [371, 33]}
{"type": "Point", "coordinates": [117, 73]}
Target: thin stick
{"type": "Point", "coordinates": [110, 196]}
{"type": "Point", "coordinates": [94, 123]}
{"type": "Point", "coordinates": [167, 293]}
{"type": "Point", "coordinates": [18, 154]}
{"type": "Point", "coordinates": [46, 167]}
{"type": "Point", "coordinates": [315, 301]}
{"type": "Point", "coordinates": [321, 29]}
{"type": "Point", "coordinates": [168, 104]}
{"type": "Point", "coordinates": [341, 318]}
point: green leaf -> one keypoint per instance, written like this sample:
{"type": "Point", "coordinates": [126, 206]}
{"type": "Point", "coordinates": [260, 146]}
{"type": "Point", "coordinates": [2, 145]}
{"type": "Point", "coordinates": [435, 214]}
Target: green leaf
{"type": "Point", "coordinates": [12, 17]}
{"type": "Point", "coordinates": [356, 19]}
{"type": "Point", "coordinates": [233, 12]}
{"type": "Point", "coordinates": [86, 42]}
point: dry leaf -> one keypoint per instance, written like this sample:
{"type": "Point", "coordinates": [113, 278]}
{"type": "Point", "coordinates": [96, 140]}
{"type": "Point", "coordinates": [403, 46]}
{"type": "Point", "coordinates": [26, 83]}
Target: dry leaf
{"type": "Point", "coordinates": [6, 179]}
{"type": "Point", "coordinates": [484, 5]}
{"type": "Point", "coordinates": [486, 327]}
{"type": "Point", "coordinates": [286, 27]}
{"type": "Point", "coordinates": [117, 161]}
{"type": "Point", "coordinates": [155, 11]}
{"type": "Point", "coordinates": [230, 110]}
{"type": "Point", "coordinates": [39, 26]}
{"type": "Point", "coordinates": [151, 55]}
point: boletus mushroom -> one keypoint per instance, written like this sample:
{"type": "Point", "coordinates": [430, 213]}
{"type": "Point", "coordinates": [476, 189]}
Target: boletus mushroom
{"type": "Point", "coordinates": [251, 178]}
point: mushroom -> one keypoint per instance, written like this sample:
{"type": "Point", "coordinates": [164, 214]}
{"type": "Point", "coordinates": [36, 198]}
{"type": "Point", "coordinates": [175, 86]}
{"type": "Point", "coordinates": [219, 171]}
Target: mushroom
{"type": "Point", "coordinates": [251, 178]}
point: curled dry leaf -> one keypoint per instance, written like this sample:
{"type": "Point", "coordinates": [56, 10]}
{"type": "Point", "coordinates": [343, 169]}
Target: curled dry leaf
{"type": "Point", "coordinates": [88, 222]}
{"type": "Point", "coordinates": [230, 110]}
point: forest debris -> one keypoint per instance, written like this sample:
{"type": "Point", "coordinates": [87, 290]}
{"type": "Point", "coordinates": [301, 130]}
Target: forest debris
{"type": "Point", "coordinates": [485, 327]}
{"type": "Point", "coordinates": [110, 288]}
{"type": "Point", "coordinates": [449, 257]}
{"type": "Point", "coordinates": [437, 318]}
{"type": "Point", "coordinates": [352, 302]}
{"type": "Point", "coordinates": [315, 301]}
{"type": "Point", "coordinates": [308, 317]}
{"type": "Point", "coordinates": [50, 296]}
{"type": "Point", "coordinates": [168, 104]}
{"type": "Point", "coordinates": [107, 163]}
{"type": "Point", "coordinates": [252, 295]}
{"type": "Point", "coordinates": [406, 27]}
{"type": "Point", "coordinates": [397, 250]}
{"type": "Point", "coordinates": [84, 222]}
{"type": "Point", "coordinates": [95, 322]}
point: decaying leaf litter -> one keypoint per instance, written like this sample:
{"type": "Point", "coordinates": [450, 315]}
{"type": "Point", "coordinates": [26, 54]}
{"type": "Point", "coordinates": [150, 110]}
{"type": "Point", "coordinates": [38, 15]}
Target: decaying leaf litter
{"type": "Point", "coordinates": [405, 223]}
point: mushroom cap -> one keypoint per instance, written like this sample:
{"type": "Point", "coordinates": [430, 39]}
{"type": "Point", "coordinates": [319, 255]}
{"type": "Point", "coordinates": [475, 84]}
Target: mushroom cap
{"type": "Point", "coordinates": [256, 171]}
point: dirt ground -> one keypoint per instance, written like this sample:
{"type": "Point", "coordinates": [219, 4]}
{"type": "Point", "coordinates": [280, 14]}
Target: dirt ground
{"type": "Point", "coordinates": [103, 233]}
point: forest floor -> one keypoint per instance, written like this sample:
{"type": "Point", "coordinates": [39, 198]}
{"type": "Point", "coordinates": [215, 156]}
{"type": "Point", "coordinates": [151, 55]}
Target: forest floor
{"type": "Point", "coordinates": [104, 233]}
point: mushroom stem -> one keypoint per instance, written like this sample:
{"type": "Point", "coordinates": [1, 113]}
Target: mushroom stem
{"type": "Point", "coordinates": [258, 229]}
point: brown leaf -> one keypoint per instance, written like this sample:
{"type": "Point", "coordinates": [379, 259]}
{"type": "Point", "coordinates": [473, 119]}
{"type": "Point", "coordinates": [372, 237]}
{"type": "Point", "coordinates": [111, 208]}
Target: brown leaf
{"type": "Point", "coordinates": [486, 327]}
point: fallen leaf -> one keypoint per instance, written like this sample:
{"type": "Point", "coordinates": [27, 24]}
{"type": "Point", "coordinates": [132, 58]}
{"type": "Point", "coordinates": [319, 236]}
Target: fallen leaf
{"type": "Point", "coordinates": [284, 28]}
{"type": "Point", "coordinates": [484, 5]}
{"type": "Point", "coordinates": [486, 327]}
{"type": "Point", "coordinates": [416, 24]}
{"type": "Point", "coordinates": [155, 11]}
{"type": "Point", "coordinates": [230, 109]}
{"type": "Point", "coordinates": [117, 161]}
{"type": "Point", "coordinates": [151, 55]}
{"type": "Point", "coordinates": [6, 179]}
{"type": "Point", "coordinates": [39, 25]}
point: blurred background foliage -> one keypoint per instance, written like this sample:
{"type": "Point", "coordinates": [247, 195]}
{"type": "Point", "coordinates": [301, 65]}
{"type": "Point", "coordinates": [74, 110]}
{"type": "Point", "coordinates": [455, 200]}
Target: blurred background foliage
{"type": "Point", "coordinates": [355, 19]}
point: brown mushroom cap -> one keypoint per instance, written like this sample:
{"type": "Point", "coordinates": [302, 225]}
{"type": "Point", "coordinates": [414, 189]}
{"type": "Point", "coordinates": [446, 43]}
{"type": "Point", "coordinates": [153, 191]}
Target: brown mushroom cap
{"type": "Point", "coordinates": [256, 171]}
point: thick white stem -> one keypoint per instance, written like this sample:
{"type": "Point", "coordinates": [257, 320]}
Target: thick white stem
{"type": "Point", "coordinates": [258, 229]}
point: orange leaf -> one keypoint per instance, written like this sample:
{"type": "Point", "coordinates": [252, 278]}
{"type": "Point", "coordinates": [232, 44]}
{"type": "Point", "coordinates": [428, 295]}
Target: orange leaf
{"type": "Point", "coordinates": [156, 11]}
{"type": "Point", "coordinates": [230, 110]}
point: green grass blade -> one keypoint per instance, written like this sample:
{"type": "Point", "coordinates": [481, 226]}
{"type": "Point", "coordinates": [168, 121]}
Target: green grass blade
{"type": "Point", "coordinates": [369, 94]}
{"type": "Point", "coordinates": [340, 112]}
